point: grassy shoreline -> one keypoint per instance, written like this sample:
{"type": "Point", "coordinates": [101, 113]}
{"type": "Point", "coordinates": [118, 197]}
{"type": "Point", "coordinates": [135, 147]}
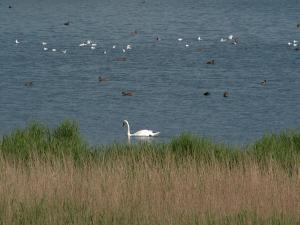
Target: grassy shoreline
{"type": "Point", "coordinates": [51, 176]}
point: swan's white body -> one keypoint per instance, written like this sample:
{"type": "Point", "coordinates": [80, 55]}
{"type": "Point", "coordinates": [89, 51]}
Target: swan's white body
{"type": "Point", "coordinates": [141, 133]}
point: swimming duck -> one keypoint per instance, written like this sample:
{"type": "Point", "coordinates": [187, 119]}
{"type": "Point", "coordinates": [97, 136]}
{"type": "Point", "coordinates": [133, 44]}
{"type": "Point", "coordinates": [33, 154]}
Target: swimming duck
{"type": "Point", "coordinates": [264, 82]}
{"type": "Point", "coordinates": [211, 61]}
{"type": "Point", "coordinates": [134, 33]}
{"type": "Point", "coordinates": [127, 93]}
{"type": "Point", "coordinates": [102, 79]}
{"type": "Point", "coordinates": [28, 83]}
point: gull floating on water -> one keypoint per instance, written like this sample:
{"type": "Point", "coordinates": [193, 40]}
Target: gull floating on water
{"type": "Point", "coordinates": [128, 47]}
{"type": "Point", "coordinates": [187, 45]}
{"type": "Point", "coordinates": [223, 40]}
{"type": "Point", "coordinates": [94, 44]}
{"type": "Point", "coordinates": [104, 52]}
{"type": "Point", "coordinates": [289, 43]}
{"type": "Point", "coordinates": [199, 38]}
{"type": "Point", "coordinates": [53, 50]}
{"type": "Point", "coordinates": [45, 49]}
{"type": "Point", "coordinates": [17, 42]}
{"type": "Point", "coordinates": [44, 43]}
{"type": "Point", "coordinates": [179, 39]}
{"type": "Point", "coordinates": [113, 46]}
{"type": "Point", "coordinates": [230, 37]}
{"type": "Point", "coordinates": [82, 44]}
{"type": "Point", "coordinates": [93, 47]}
{"type": "Point", "coordinates": [64, 51]}
{"type": "Point", "coordinates": [123, 50]}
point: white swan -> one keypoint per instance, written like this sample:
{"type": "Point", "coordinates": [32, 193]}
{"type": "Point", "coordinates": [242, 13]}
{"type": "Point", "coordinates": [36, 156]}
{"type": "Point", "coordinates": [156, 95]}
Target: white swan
{"type": "Point", "coordinates": [141, 133]}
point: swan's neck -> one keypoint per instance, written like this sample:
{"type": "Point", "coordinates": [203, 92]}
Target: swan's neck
{"type": "Point", "coordinates": [128, 130]}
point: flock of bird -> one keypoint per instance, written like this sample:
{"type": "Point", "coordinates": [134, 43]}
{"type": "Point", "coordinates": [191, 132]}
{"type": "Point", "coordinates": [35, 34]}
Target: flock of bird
{"type": "Point", "coordinates": [93, 45]}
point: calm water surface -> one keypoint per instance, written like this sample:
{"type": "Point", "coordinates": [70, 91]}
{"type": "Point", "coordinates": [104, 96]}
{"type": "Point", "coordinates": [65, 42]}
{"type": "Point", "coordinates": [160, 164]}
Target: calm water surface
{"type": "Point", "coordinates": [167, 78]}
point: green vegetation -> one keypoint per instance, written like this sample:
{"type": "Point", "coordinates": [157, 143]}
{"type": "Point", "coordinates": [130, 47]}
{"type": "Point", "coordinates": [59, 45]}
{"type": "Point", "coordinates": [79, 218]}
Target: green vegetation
{"type": "Point", "coordinates": [65, 140]}
{"type": "Point", "coordinates": [52, 176]}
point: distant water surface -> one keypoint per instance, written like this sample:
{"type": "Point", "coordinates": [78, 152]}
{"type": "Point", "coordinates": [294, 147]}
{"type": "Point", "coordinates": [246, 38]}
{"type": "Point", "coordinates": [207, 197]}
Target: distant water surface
{"type": "Point", "coordinates": [167, 78]}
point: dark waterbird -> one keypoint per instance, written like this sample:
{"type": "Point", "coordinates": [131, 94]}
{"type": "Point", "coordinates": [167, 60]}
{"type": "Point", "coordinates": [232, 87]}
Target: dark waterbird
{"type": "Point", "coordinates": [211, 62]}
{"type": "Point", "coordinates": [102, 79]}
{"type": "Point", "coordinates": [127, 93]}
{"type": "Point", "coordinates": [9, 6]}
{"type": "Point", "coordinates": [67, 23]}
{"type": "Point", "coordinates": [226, 94]}
{"type": "Point", "coordinates": [121, 59]}
{"type": "Point", "coordinates": [206, 93]}
{"type": "Point", "coordinates": [28, 83]}
{"type": "Point", "coordinates": [134, 33]}
{"type": "Point", "coordinates": [264, 82]}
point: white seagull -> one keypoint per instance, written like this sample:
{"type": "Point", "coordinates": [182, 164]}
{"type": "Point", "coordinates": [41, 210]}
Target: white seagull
{"type": "Point", "coordinates": [223, 40]}
{"type": "Point", "coordinates": [44, 43]}
{"type": "Point", "coordinates": [17, 42]}
{"type": "Point", "coordinates": [128, 47]}
{"type": "Point", "coordinates": [141, 133]}
{"type": "Point", "coordinates": [179, 39]}
{"type": "Point", "coordinates": [199, 38]}
{"type": "Point", "coordinates": [64, 51]}
{"type": "Point", "coordinates": [45, 49]}
{"type": "Point", "coordinates": [230, 37]}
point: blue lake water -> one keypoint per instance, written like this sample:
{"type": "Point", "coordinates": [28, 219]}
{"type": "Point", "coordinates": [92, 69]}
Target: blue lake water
{"type": "Point", "coordinates": [167, 78]}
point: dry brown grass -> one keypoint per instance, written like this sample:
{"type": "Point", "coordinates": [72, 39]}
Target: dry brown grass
{"type": "Point", "coordinates": [161, 194]}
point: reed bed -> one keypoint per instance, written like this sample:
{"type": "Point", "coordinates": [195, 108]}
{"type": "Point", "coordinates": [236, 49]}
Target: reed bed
{"type": "Point", "coordinates": [50, 176]}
